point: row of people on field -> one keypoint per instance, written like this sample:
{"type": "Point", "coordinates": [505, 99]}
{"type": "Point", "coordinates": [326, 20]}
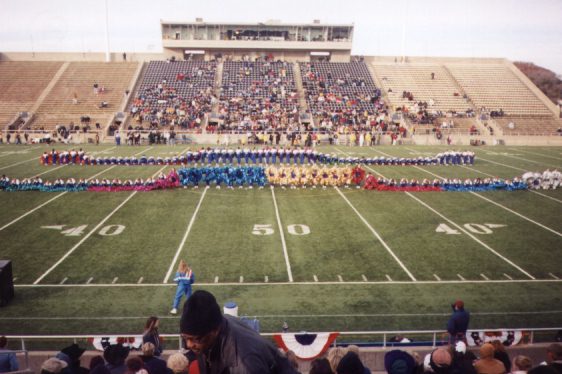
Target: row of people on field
{"type": "Point", "coordinates": [291, 176]}
{"type": "Point", "coordinates": [547, 180]}
{"type": "Point", "coordinates": [73, 185]}
{"type": "Point", "coordinates": [255, 156]}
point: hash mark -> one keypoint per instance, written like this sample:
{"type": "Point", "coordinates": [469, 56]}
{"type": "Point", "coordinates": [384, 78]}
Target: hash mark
{"type": "Point", "coordinates": [553, 276]}
{"type": "Point", "coordinates": [114, 280]}
{"type": "Point", "coordinates": [437, 277]}
{"type": "Point", "coordinates": [484, 276]}
{"type": "Point", "coordinates": [364, 278]}
{"type": "Point", "coordinates": [461, 277]}
{"type": "Point", "coordinates": [217, 279]}
{"type": "Point", "coordinates": [507, 276]}
{"type": "Point", "coordinates": [266, 279]}
{"type": "Point", "coordinates": [90, 280]}
{"type": "Point", "coordinates": [388, 277]}
{"type": "Point", "coordinates": [315, 278]}
{"type": "Point", "coordinates": [140, 280]}
{"type": "Point", "coordinates": [241, 279]}
{"type": "Point", "coordinates": [64, 280]}
{"type": "Point", "coordinates": [340, 278]}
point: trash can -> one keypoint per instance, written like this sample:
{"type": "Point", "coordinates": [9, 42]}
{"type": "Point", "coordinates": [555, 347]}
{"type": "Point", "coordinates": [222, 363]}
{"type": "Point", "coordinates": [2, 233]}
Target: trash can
{"type": "Point", "coordinates": [230, 308]}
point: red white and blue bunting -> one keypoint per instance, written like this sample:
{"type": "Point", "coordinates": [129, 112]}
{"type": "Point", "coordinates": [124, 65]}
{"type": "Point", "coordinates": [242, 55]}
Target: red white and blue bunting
{"type": "Point", "coordinates": [306, 346]}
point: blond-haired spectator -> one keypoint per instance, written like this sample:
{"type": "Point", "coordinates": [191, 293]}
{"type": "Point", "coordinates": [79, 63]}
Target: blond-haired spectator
{"type": "Point", "coordinates": [178, 363]}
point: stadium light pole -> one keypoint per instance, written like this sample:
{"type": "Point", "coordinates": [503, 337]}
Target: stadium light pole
{"type": "Point", "coordinates": [107, 55]}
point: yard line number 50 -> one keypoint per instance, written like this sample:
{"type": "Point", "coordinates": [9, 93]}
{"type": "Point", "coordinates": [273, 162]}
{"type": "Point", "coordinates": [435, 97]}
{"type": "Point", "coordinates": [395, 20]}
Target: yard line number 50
{"type": "Point", "coordinates": [294, 229]}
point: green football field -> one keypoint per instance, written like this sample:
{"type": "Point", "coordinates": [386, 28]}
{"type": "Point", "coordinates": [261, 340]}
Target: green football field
{"type": "Point", "coordinates": [322, 260]}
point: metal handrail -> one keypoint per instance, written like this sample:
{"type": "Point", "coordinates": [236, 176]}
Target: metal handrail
{"type": "Point", "coordinates": [384, 333]}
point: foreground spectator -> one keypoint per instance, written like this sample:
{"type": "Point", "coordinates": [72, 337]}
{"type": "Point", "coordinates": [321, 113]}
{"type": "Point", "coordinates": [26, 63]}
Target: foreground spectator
{"type": "Point", "coordinates": [334, 357]}
{"type": "Point", "coordinates": [115, 356]}
{"type": "Point", "coordinates": [355, 349]}
{"type": "Point", "coordinates": [521, 365]}
{"type": "Point", "coordinates": [399, 362]}
{"type": "Point", "coordinates": [320, 366]}
{"type": "Point", "coordinates": [501, 354]}
{"type": "Point", "coordinates": [441, 361]}
{"type": "Point", "coordinates": [178, 363]}
{"type": "Point", "coordinates": [151, 334]}
{"type": "Point", "coordinates": [153, 364]}
{"type": "Point", "coordinates": [350, 364]}
{"type": "Point", "coordinates": [228, 345]}
{"type": "Point", "coordinates": [53, 366]}
{"type": "Point", "coordinates": [97, 366]}
{"type": "Point", "coordinates": [71, 355]}
{"type": "Point", "coordinates": [554, 357]}
{"type": "Point", "coordinates": [462, 360]}
{"type": "Point", "coordinates": [458, 323]}
{"type": "Point", "coordinates": [487, 364]}
{"type": "Point", "coordinates": [8, 360]}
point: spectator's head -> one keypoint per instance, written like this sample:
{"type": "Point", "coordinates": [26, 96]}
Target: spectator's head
{"type": "Point", "coordinates": [522, 363]}
{"type": "Point", "coordinates": [350, 364]}
{"type": "Point", "coordinates": [73, 352]}
{"type": "Point", "coordinates": [293, 360]}
{"type": "Point", "coordinates": [554, 352]}
{"type": "Point", "coordinates": [320, 366]}
{"type": "Point", "coordinates": [399, 362]}
{"type": "Point", "coordinates": [3, 340]}
{"type": "Point", "coordinates": [200, 322]}
{"type": "Point", "coordinates": [334, 357]}
{"type": "Point", "coordinates": [441, 360]}
{"type": "Point", "coordinates": [353, 348]}
{"type": "Point", "coordinates": [53, 366]}
{"type": "Point", "coordinates": [459, 305]}
{"type": "Point", "coordinates": [543, 369]}
{"type": "Point", "coordinates": [151, 324]}
{"type": "Point", "coordinates": [498, 346]}
{"type": "Point", "coordinates": [116, 354]}
{"type": "Point", "coordinates": [178, 363]}
{"type": "Point", "coordinates": [487, 351]}
{"type": "Point", "coordinates": [96, 361]}
{"type": "Point", "coordinates": [148, 349]}
{"type": "Point", "coordinates": [135, 365]}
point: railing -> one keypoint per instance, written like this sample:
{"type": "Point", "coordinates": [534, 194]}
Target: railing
{"type": "Point", "coordinates": [432, 338]}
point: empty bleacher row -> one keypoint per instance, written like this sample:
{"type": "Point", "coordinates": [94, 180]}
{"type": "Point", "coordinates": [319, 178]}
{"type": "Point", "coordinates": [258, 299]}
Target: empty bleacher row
{"type": "Point", "coordinates": [74, 97]}
{"type": "Point", "coordinates": [176, 93]}
{"type": "Point", "coordinates": [495, 86]}
{"type": "Point", "coordinates": [21, 84]}
{"type": "Point", "coordinates": [258, 95]}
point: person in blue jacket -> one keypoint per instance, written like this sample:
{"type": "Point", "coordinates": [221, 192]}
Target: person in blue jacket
{"type": "Point", "coordinates": [458, 323]}
{"type": "Point", "coordinates": [184, 278]}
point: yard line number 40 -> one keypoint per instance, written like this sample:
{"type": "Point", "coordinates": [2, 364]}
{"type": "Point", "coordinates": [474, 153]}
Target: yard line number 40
{"type": "Point", "coordinates": [267, 229]}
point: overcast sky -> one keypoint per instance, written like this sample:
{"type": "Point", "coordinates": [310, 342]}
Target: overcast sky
{"type": "Point", "coordinates": [520, 30]}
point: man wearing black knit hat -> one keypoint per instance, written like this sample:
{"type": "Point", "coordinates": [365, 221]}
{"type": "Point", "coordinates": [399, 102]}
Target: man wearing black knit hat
{"type": "Point", "coordinates": [226, 345]}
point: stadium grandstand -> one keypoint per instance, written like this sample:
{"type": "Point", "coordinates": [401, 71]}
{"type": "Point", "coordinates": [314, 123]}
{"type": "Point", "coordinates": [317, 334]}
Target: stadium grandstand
{"type": "Point", "coordinates": [225, 94]}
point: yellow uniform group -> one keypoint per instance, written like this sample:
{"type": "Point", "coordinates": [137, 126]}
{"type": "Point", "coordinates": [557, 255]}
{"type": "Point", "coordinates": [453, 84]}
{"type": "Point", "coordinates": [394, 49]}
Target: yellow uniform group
{"type": "Point", "coordinates": [300, 176]}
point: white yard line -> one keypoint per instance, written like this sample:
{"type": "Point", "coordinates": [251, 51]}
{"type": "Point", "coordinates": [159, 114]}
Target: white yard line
{"type": "Point", "coordinates": [537, 154]}
{"type": "Point", "coordinates": [282, 234]}
{"type": "Point", "coordinates": [501, 206]}
{"type": "Point", "coordinates": [11, 153]}
{"type": "Point", "coordinates": [471, 236]}
{"type": "Point", "coordinates": [89, 234]}
{"type": "Point", "coordinates": [19, 163]}
{"type": "Point", "coordinates": [376, 234]}
{"type": "Point", "coordinates": [518, 214]}
{"type": "Point", "coordinates": [184, 239]}
{"type": "Point", "coordinates": [56, 197]}
{"type": "Point", "coordinates": [461, 280]}
{"type": "Point", "coordinates": [50, 170]}
{"type": "Point", "coordinates": [548, 197]}
{"type": "Point", "coordinates": [499, 163]}
{"type": "Point", "coordinates": [531, 161]}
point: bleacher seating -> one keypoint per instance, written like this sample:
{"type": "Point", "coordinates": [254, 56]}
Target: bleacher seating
{"type": "Point", "coordinates": [21, 84]}
{"type": "Point", "coordinates": [258, 95]}
{"type": "Point", "coordinates": [495, 86]}
{"type": "Point", "coordinates": [529, 126]}
{"type": "Point", "coordinates": [429, 83]}
{"type": "Point", "coordinates": [341, 94]}
{"type": "Point", "coordinates": [78, 82]}
{"type": "Point", "coordinates": [174, 93]}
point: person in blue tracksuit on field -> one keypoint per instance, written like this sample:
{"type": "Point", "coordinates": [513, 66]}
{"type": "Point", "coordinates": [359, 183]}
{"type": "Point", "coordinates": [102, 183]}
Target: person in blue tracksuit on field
{"type": "Point", "coordinates": [184, 278]}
